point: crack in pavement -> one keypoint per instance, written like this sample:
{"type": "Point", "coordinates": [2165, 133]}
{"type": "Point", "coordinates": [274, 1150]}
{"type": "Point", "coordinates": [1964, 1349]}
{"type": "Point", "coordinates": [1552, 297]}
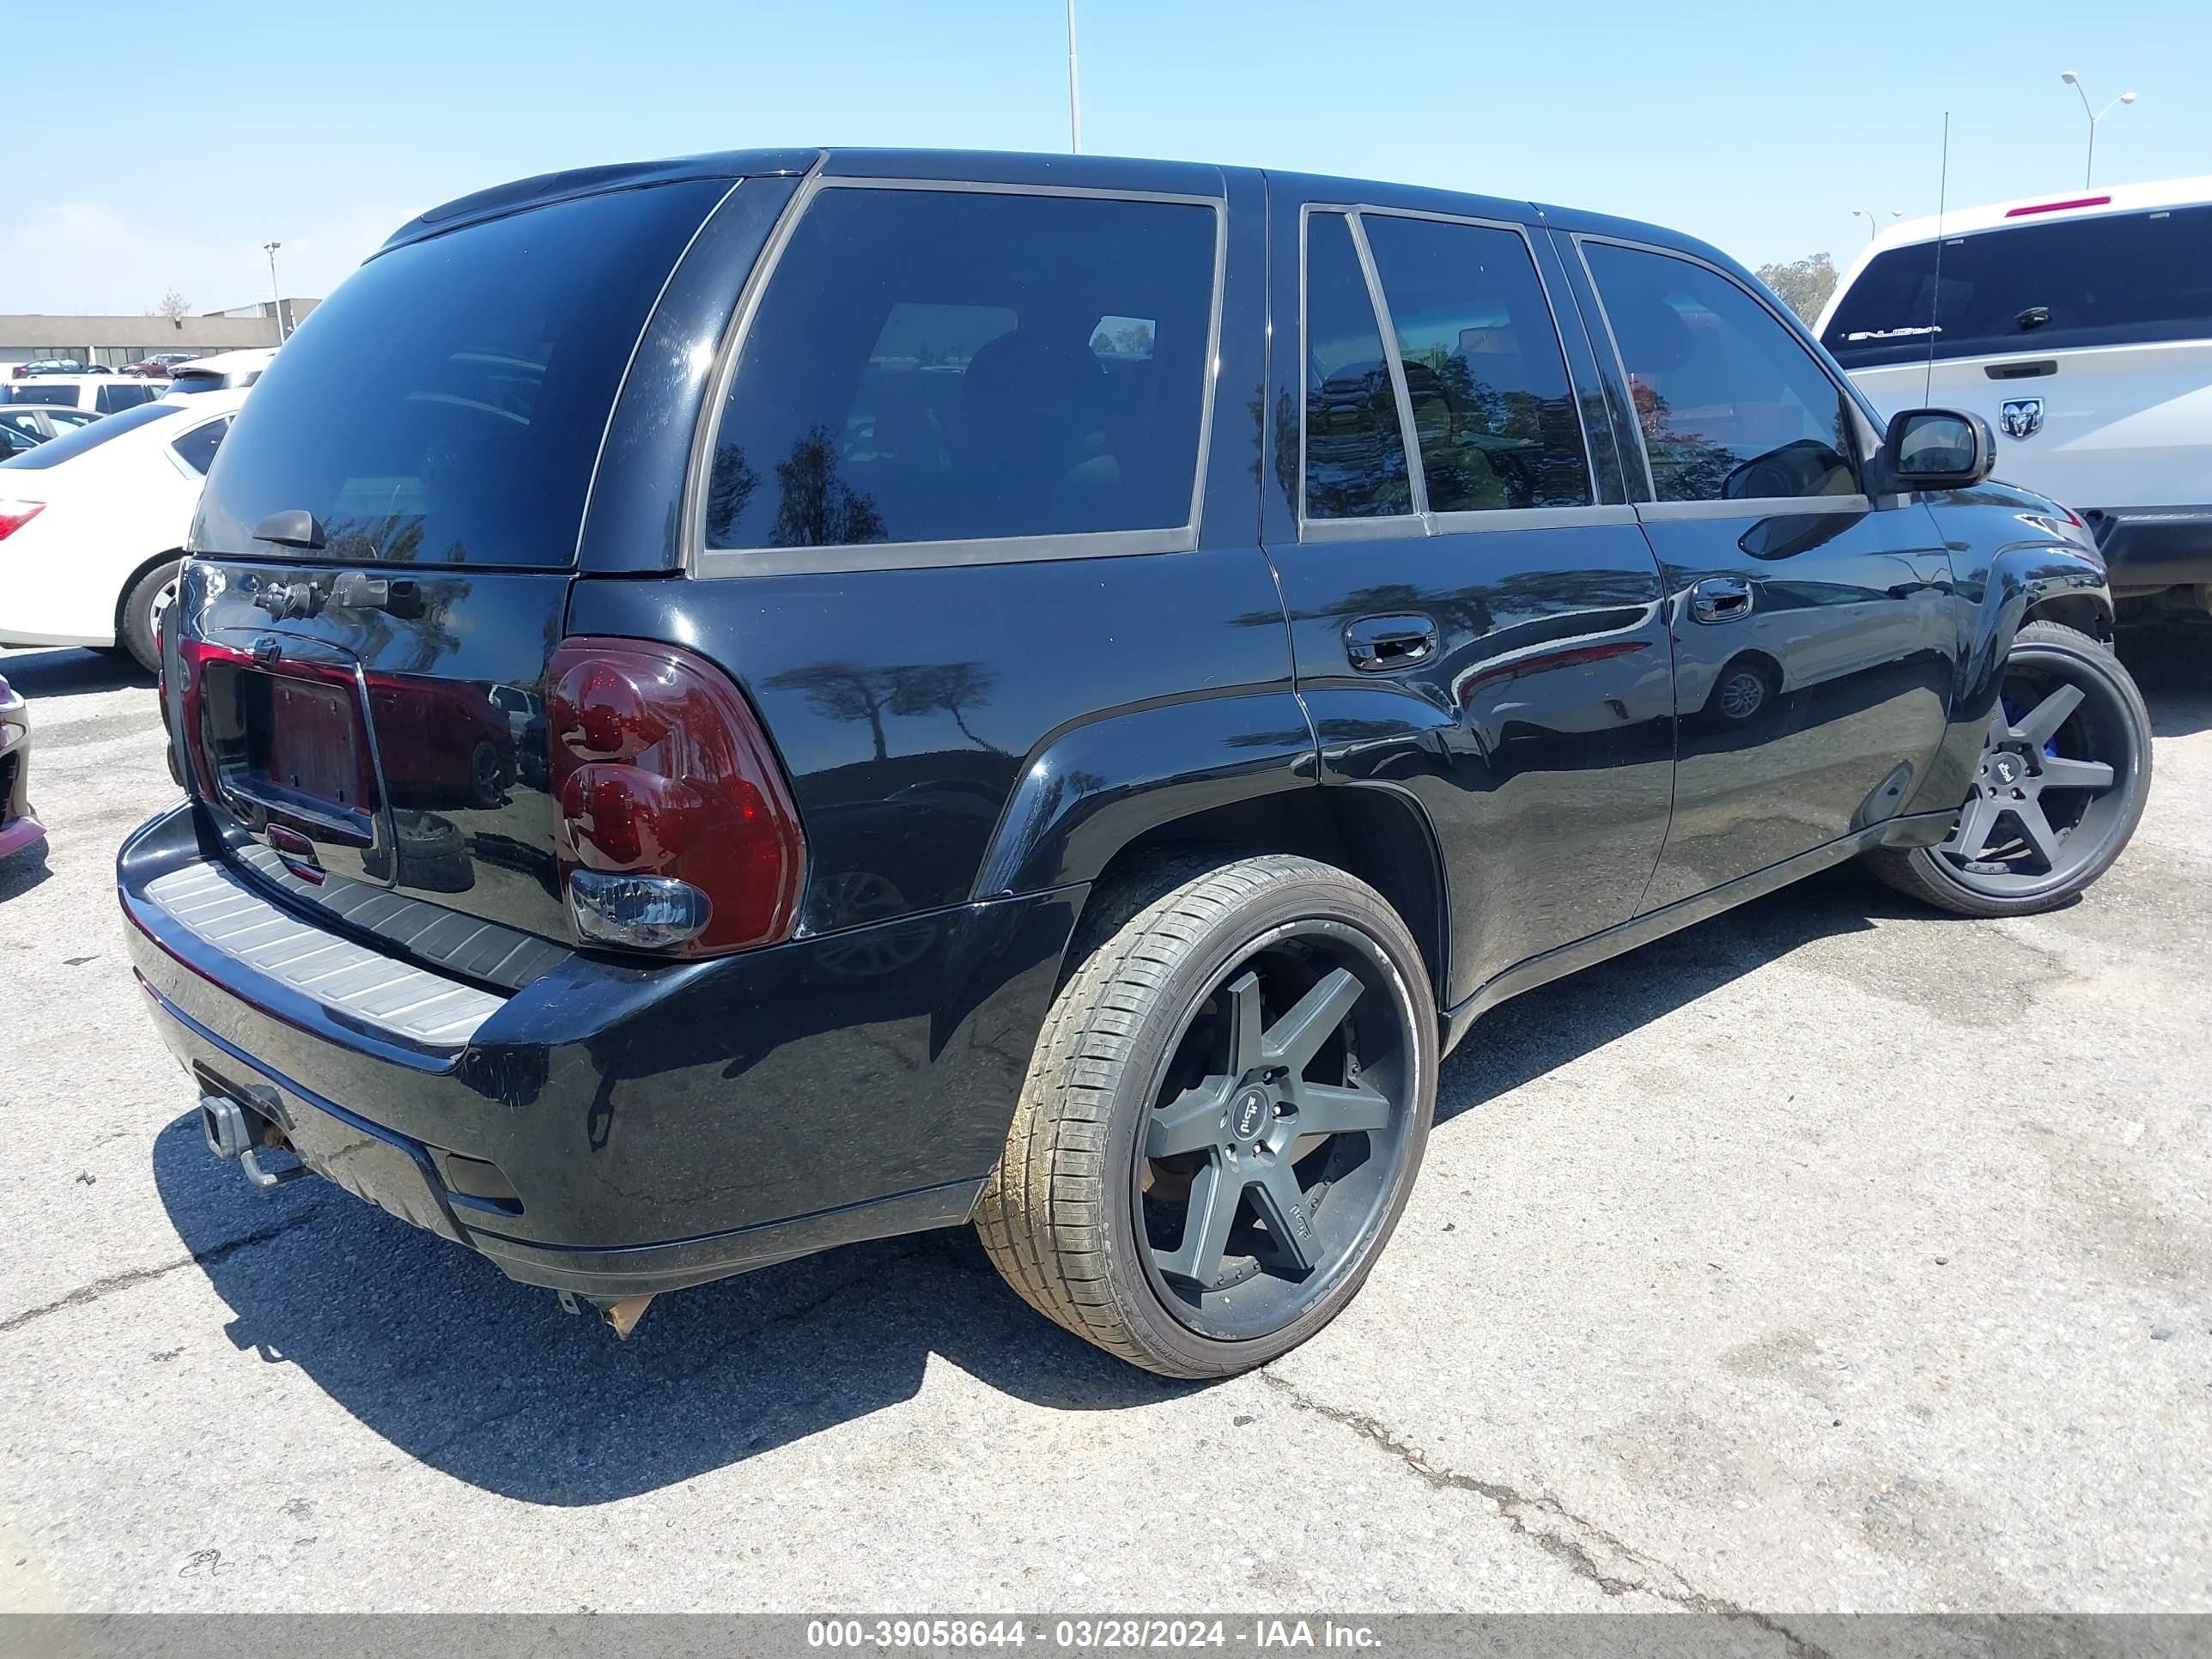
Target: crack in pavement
{"type": "Point", "coordinates": [1514, 1507]}
{"type": "Point", "coordinates": [84, 1294]}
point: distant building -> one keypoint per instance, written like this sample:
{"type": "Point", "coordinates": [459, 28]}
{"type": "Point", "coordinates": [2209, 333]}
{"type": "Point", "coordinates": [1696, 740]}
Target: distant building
{"type": "Point", "coordinates": [115, 341]}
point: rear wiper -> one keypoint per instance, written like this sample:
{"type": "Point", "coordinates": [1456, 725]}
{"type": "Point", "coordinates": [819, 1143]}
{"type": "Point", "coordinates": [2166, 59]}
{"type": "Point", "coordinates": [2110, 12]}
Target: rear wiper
{"type": "Point", "coordinates": [294, 527]}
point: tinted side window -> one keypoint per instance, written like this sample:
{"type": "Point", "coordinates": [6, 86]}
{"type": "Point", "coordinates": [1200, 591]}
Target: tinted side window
{"type": "Point", "coordinates": [1355, 453]}
{"type": "Point", "coordinates": [35, 393]}
{"type": "Point", "coordinates": [1492, 405]}
{"type": "Point", "coordinates": [109, 399]}
{"type": "Point", "coordinates": [1732, 406]}
{"type": "Point", "coordinates": [945, 365]}
{"type": "Point", "coordinates": [196, 449]}
{"type": "Point", "coordinates": [2025, 288]}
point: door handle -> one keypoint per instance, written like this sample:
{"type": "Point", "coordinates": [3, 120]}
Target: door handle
{"type": "Point", "coordinates": [2027, 370]}
{"type": "Point", "coordinates": [1721, 599]}
{"type": "Point", "coordinates": [1379, 644]}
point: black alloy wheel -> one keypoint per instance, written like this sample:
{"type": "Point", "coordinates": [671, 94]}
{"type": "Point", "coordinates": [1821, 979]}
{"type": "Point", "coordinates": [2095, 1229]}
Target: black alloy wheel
{"type": "Point", "coordinates": [1224, 1115]}
{"type": "Point", "coordinates": [1276, 1139]}
{"type": "Point", "coordinates": [2063, 781]}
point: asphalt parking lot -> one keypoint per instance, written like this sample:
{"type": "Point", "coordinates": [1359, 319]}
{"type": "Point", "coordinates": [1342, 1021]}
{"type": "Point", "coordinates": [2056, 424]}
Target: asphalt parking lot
{"type": "Point", "coordinates": [1832, 1256]}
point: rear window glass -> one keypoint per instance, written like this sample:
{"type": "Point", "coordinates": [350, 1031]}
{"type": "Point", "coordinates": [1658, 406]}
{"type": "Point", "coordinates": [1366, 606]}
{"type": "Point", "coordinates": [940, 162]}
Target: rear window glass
{"type": "Point", "coordinates": [933, 365]}
{"type": "Point", "coordinates": [1492, 411]}
{"type": "Point", "coordinates": [75, 441]}
{"type": "Point", "coordinates": [122, 395]}
{"type": "Point", "coordinates": [1355, 445]}
{"type": "Point", "coordinates": [196, 449]}
{"type": "Point", "coordinates": [445, 406]}
{"type": "Point", "coordinates": [2103, 281]}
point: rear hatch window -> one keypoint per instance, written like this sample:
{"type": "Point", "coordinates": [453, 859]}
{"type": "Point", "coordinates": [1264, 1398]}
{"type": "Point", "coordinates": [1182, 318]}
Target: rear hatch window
{"type": "Point", "coordinates": [446, 405]}
{"type": "Point", "coordinates": [2114, 279]}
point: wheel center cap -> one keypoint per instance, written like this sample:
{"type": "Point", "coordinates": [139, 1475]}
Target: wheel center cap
{"type": "Point", "coordinates": [2007, 769]}
{"type": "Point", "coordinates": [1249, 1114]}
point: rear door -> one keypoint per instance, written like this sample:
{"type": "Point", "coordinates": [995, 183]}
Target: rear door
{"type": "Point", "coordinates": [2085, 340]}
{"type": "Point", "coordinates": [1476, 616]}
{"type": "Point", "coordinates": [384, 551]}
{"type": "Point", "coordinates": [1813, 641]}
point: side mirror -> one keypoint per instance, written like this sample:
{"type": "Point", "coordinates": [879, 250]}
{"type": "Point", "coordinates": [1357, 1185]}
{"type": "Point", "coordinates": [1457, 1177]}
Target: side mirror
{"type": "Point", "coordinates": [1937, 449]}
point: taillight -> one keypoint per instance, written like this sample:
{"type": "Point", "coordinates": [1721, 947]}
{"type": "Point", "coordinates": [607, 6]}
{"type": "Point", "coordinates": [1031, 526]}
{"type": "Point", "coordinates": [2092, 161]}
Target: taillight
{"type": "Point", "coordinates": [2058, 207]}
{"type": "Point", "coordinates": [677, 833]}
{"type": "Point", "coordinates": [14, 515]}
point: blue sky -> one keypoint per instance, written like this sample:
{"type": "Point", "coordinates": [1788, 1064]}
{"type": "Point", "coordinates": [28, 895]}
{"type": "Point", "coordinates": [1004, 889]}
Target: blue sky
{"type": "Point", "coordinates": [1757, 127]}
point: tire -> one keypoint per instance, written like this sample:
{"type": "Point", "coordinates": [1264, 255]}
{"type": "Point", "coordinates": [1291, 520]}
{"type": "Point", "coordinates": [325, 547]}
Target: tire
{"type": "Point", "coordinates": [2078, 831]}
{"type": "Point", "coordinates": [139, 635]}
{"type": "Point", "coordinates": [1744, 689]}
{"type": "Point", "coordinates": [1180, 976]}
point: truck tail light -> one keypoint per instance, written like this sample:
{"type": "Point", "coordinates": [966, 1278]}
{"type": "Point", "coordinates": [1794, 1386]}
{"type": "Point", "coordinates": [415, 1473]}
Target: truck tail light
{"type": "Point", "coordinates": [2058, 207]}
{"type": "Point", "coordinates": [677, 833]}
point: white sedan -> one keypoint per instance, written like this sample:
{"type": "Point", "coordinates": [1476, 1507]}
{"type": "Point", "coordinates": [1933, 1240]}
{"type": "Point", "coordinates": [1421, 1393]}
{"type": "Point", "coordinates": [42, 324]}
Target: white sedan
{"type": "Point", "coordinates": [93, 523]}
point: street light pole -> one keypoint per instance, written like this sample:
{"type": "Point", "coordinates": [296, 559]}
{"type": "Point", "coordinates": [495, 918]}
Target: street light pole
{"type": "Point", "coordinates": [275, 294]}
{"type": "Point", "coordinates": [1074, 94]}
{"type": "Point", "coordinates": [2088, 172]}
{"type": "Point", "coordinates": [1871, 218]}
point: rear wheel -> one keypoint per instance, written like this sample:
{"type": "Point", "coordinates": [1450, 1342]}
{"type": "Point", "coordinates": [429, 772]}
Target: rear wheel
{"type": "Point", "coordinates": [1743, 690]}
{"type": "Point", "coordinates": [2064, 775]}
{"type": "Point", "coordinates": [143, 608]}
{"type": "Point", "coordinates": [1223, 1119]}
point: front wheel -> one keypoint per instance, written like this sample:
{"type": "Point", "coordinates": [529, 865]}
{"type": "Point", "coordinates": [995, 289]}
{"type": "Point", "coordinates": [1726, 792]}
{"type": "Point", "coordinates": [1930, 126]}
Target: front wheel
{"type": "Point", "coordinates": [1224, 1117]}
{"type": "Point", "coordinates": [2064, 775]}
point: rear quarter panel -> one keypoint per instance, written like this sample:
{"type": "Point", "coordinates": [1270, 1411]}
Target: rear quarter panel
{"type": "Point", "coordinates": [959, 732]}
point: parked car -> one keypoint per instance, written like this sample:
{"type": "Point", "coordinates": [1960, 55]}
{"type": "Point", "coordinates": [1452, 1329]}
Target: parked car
{"type": "Point", "coordinates": [19, 824]}
{"type": "Point", "coordinates": [157, 367]}
{"type": "Point", "coordinates": [225, 371]}
{"type": "Point", "coordinates": [25, 426]}
{"type": "Point", "coordinates": [2080, 326]}
{"type": "Point", "coordinates": [92, 525]}
{"type": "Point", "coordinates": [1069, 685]}
{"type": "Point", "coordinates": [96, 394]}
{"type": "Point", "coordinates": [51, 365]}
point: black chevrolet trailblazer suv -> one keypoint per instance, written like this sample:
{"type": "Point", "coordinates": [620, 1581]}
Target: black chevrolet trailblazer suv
{"type": "Point", "coordinates": [735, 705]}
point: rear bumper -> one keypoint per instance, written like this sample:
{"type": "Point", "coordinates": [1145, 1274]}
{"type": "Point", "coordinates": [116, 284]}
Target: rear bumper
{"type": "Point", "coordinates": [2147, 548]}
{"type": "Point", "coordinates": [19, 824]}
{"type": "Point", "coordinates": [656, 1127]}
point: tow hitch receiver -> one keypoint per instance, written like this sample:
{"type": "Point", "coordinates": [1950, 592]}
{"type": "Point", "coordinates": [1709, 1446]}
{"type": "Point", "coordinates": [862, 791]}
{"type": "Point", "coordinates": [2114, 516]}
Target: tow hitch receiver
{"type": "Point", "coordinates": [235, 1135]}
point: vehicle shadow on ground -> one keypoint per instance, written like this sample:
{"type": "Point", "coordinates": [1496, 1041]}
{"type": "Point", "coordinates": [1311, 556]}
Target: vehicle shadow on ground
{"type": "Point", "coordinates": [2172, 662]}
{"type": "Point", "coordinates": [487, 1381]}
{"type": "Point", "coordinates": [20, 872]}
{"type": "Point", "coordinates": [68, 672]}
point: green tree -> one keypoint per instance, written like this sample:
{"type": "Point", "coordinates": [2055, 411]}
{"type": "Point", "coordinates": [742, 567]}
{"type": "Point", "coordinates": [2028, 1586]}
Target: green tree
{"type": "Point", "coordinates": [1803, 285]}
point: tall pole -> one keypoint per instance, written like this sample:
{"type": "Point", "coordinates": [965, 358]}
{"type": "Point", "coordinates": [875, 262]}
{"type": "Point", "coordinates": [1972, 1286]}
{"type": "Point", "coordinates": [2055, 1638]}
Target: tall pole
{"type": "Point", "coordinates": [2096, 115]}
{"type": "Point", "coordinates": [275, 294]}
{"type": "Point", "coordinates": [1074, 92]}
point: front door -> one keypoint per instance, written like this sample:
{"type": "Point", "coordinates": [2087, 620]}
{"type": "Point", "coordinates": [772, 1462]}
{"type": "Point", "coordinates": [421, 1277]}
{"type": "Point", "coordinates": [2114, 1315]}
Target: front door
{"type": "Point", "coordinates": [1475, 624]}
{"type": "Point", "coordinates": [1814, 647]}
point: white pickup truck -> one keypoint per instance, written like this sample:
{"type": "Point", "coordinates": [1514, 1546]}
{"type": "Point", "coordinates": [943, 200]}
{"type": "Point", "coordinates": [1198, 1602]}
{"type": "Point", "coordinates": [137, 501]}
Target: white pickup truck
{"type": "Point", "coordinates": [2081, 326]}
